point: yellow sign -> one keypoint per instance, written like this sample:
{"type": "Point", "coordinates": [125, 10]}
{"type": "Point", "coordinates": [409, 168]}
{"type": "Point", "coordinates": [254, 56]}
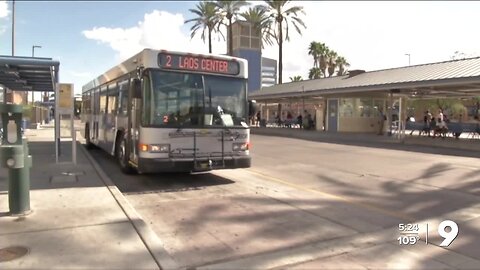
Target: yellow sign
{"type": "Point", "coordinates": [65, 96]}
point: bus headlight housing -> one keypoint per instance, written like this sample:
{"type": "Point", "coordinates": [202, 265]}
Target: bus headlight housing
{"type": "Point", "coordinates": [159, 148]}
{"type": "Point", "coordinates": [155, 148]}
{"type": "Point", "coordinates": [240, 146]}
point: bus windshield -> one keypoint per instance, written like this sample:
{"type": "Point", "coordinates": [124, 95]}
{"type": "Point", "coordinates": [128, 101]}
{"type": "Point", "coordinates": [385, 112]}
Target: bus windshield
{"type": "Point", "coordinates": [189, 100]}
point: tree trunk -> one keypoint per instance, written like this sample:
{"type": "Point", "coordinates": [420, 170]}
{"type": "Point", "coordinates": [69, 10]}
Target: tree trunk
{"type": "Point", "coordinates": [280, 53]}
{"type": "Point", "coordinates": [331, 70]}
{"type": "Point", "coordinates": [230, 38]}
{"type": "Point", "coordinates": [210, 40]}
{"type": "Point", "coordinates": [323, 65]}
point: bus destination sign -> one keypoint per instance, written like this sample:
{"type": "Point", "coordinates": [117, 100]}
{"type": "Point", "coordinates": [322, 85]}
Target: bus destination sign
{"type": "Point", "coordinates": [198, 63]}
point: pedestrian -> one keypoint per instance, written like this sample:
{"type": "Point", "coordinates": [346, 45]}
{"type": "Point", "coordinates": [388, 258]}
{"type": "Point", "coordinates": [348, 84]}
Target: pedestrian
{"type": "Point", "coordinates": [381, 122]}
{"type": "Point", "coordinates": [441, 124]}
{"type": "Point", "coordinates": [427, 119]}
{"type": "Point", "coordinates": [300, 121]}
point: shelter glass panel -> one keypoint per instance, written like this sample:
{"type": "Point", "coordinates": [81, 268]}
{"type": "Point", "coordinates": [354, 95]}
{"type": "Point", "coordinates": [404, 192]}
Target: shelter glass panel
{"type": "Point", "coordinates": [365, 107]}
{"type": "Point", "coordinates": [346, 108]}
{"type": "Point", "coordinates": [359, 107]}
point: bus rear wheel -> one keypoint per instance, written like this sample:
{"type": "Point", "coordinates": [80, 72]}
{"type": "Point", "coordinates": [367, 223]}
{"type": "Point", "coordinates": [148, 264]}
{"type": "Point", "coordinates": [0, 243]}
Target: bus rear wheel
{"type": "Point", "coordinates": [122, 155]}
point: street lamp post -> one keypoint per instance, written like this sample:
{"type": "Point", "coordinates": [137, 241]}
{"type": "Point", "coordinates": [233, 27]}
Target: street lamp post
{"type": "Point", "coordinates": [13, 28]}
{"type": "Point", "coordinates": [33, 55]}
{"type": "Point", "coordinates": [408, 58]}
{"type": "Point", "coordinates": [9, 98]}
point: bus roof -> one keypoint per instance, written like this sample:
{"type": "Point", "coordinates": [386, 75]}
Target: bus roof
{"type": "Point", "coordinates": [148, 58]}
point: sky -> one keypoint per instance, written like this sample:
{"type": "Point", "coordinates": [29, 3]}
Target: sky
{"type": "Point", "coordinates": [89, 37]}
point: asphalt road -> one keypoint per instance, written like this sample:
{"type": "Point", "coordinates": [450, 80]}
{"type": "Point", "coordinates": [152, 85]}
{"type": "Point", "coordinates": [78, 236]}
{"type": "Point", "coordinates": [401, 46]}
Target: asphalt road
{"type": "Point", "coordinates": [312, 204]}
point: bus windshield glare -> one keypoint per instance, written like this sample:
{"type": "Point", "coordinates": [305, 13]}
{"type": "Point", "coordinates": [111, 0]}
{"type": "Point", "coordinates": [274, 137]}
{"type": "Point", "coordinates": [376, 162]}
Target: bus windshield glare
{"type": "Point", "coordinates": [194, 100]}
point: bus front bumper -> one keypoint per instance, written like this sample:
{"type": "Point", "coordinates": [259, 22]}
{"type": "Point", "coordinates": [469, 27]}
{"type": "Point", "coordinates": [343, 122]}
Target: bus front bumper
{"type": "Point", "coordinates": [148, 165]}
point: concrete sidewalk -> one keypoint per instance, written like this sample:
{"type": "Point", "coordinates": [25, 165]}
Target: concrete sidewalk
{"type": "Point", "coordinates": [79, 218]}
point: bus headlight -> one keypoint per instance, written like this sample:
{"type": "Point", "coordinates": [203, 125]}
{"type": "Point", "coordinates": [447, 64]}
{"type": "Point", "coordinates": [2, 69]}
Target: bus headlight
{"type": "Point", "coordinates": [159, 148]}
{"type": "Point", "coordinates": [240, 146]}
{"type": "Point", "coordinates": [154, 148]}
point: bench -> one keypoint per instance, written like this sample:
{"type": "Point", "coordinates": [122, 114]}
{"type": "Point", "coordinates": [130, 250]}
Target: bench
{"type": "Point", "coordinates": [472, 129]}
{"type": "Point", "coordinates": [417, 126]}
{"type": "Point", "coordinates": [455, 128]}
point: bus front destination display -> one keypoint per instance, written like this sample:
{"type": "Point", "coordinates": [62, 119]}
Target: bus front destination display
{"type": "Point", "coordinates": [197, 63]}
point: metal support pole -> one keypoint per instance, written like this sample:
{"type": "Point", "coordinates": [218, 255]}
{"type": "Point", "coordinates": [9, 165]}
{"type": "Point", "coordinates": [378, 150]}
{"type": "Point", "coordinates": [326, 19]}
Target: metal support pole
{"type": "Point", "coordinates": [390, 110]}
{"type": "Point", "coordinates": [56, 118]}
{"type": "Point", "coordinates": [74, 147]}
{"type": "Point", "coordinates": [400, 118]}
{"type": "Point", "coordinates": [19, 186]}
{"type": "Point", "coordinates": [19, 191]}
{"type": "Point", "coordinates": [404, 117]}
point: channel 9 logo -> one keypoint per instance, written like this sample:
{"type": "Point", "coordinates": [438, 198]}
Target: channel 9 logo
{"type": "Point", "coordinates": [410, 233]}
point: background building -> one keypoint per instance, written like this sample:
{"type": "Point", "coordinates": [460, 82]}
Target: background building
{"type": "Point", "coordinates": [269, 72]}
{"type": "Point", "coordinates": [247, 44]}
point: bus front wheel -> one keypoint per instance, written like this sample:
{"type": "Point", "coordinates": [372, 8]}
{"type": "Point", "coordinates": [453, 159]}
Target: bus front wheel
{"type": "Point", "coordinates": [122, 154]}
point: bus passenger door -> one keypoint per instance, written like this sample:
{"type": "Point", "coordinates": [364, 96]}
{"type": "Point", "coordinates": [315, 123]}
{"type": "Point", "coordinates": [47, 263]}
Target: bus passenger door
{"type": "Point", "coordinates": [136, 114]}
{"type": "Point", "coordinates": [135, 120]}
{"type": "Point", "coordinates": [96, 113]}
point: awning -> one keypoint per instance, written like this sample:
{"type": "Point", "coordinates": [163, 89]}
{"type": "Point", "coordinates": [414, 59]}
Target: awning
{"type": "Point", "coordinates": [28, 73]}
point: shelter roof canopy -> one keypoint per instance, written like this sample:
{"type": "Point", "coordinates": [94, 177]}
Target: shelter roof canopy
{"type": "Point", "coordinates": [28, 73]}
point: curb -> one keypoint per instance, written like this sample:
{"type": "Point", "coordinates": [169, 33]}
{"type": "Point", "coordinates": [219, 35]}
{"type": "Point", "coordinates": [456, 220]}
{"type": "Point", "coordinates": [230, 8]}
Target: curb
{"type": "Point", "coordinates": [151, 241]}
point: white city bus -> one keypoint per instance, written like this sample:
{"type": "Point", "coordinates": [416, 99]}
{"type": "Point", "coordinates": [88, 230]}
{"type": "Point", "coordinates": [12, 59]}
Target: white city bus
{"type": "Point", "coordinates": [164, 111]}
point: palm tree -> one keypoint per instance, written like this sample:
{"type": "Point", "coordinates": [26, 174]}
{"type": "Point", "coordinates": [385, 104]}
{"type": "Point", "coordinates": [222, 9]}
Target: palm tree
{"type": "Point", "coordinates": [297, 78]}
{"type": "Point", "coordinates": [332, 57]}
{"type": "Point", "coordinates": [257, 16]}
{"type": "Point", "coordinates": [342, 64]}
{"type": "Point", "coordinates": [314, 73]}
{"type": "Point", "coordinates": [324, 51]}
{"type": "Point", "coordinates": [207, 19]}
{"type": "Point", "coordinates": [314, 50]}
{"type": "Point", "coordinates": [228, 9]}
{"type": "Point", "coordinates": [281, 17]}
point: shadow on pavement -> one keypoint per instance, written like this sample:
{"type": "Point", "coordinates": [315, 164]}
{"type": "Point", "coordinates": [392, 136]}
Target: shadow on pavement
{"type": "Point", "coordinates": [154, 183]}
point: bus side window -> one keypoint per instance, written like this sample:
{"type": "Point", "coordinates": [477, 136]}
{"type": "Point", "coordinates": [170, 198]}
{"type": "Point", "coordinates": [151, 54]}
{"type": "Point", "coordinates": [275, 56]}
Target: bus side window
{"type": "Point", "coordinates": [112, 99]}
{"type": "Point", "coordinates": [123, 87]}
{"type": "Point", "coordinates": [103, 99]}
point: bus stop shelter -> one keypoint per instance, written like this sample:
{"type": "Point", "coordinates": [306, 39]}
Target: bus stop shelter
{"type": "Point", "coordinates": [28, 73]}
{"type": "Point", "coordinates": [450, 79]}
{"type": "Point", "coordinates": [25, 74]}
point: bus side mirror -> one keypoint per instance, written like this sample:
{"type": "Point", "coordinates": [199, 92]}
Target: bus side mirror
{"type": "Point", "coordinates": [252, 108]}
{"type": "Point", "coordinates": [137, 88]}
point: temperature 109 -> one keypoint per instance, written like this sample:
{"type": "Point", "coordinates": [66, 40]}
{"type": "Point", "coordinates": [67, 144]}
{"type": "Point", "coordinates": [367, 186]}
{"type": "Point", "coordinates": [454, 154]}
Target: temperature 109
{"type": "Point", "coordinates": [407, 240]}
